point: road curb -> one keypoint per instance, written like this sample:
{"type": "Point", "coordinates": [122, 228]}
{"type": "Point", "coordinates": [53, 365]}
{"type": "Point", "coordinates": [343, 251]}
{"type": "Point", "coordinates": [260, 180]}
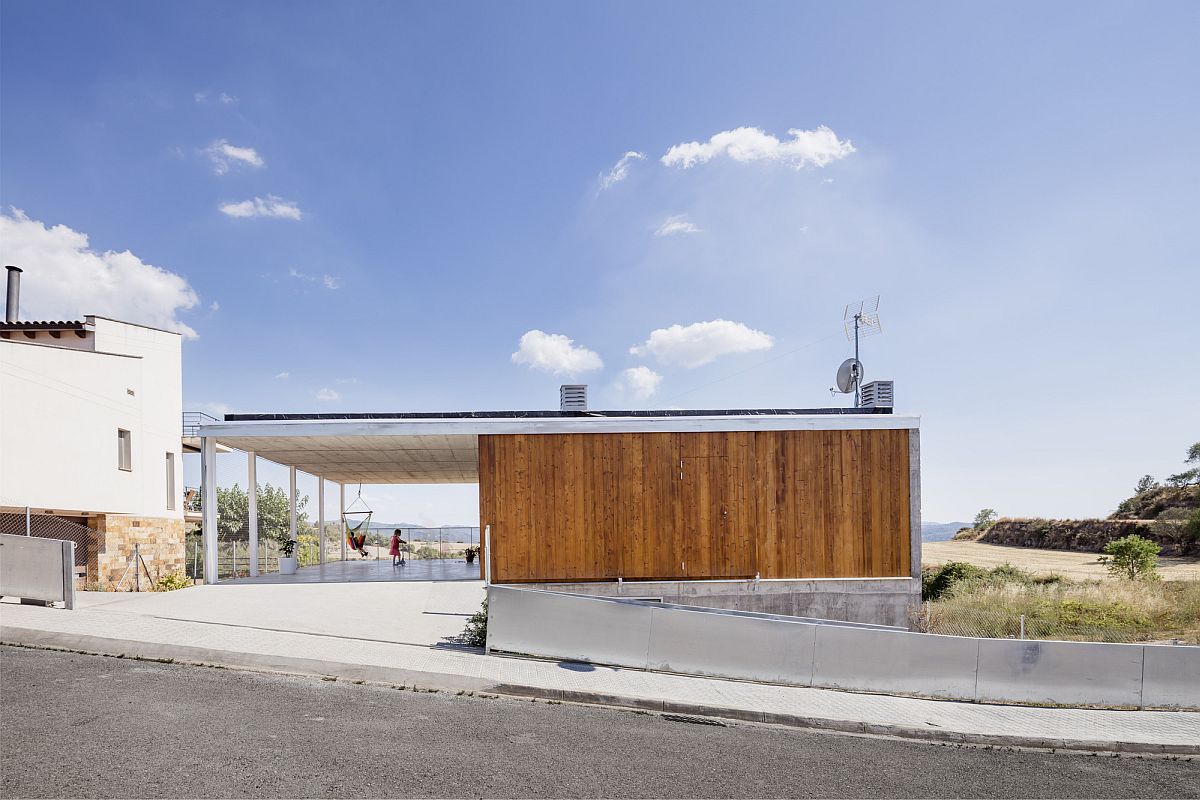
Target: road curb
{"type": "Point", "coordinates": [436, 681]}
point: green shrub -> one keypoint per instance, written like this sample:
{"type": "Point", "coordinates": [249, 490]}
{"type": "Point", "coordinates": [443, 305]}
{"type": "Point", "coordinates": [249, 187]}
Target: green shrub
{"type": "Point", "coordinates": [1131, 557]}
{"type": "Point", "coordinates": [172, 581]}
{"type": "Point", "coordinates": [937, 581]}
{"type": "Point", "coordinates": [475, 633]}
{"type": "Point", "coordinates": [1098, 614]}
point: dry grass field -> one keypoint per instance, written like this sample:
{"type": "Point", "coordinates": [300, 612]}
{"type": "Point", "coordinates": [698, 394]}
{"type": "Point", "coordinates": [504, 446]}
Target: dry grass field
{"type": "Point", "coordinates": [1068, 563]}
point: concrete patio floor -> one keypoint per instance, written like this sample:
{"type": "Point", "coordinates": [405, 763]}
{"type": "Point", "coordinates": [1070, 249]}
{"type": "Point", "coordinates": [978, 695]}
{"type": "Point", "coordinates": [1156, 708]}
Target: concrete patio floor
{"type": "Point", "coordinates": [412, 612]}
{"type": "Point", "coordinates": [370, 570]}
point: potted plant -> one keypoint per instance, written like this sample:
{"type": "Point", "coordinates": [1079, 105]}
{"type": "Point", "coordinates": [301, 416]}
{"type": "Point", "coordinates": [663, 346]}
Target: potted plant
{"type": "Point", "coordinates": [470, 553]}
{"type": "Point", "coordinates": [287, 559]}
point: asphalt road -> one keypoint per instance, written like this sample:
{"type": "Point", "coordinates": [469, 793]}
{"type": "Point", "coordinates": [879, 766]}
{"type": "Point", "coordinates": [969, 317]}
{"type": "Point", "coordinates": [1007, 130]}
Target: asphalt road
{"type": "Point", "coordinates": [91, 726]}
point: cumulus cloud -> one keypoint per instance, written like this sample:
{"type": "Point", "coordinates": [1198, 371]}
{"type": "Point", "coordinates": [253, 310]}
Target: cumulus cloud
{"type": "Point", "coordinates": [676, 225]}
{"type": "Point", "coordinates": [555, 353]}
{"type": "Point", "coordinates": [224, 156]}
{"type": "Point", "coordinates": [65, 279]}
{"type": "Point", "coordinates": [819, 147]}
{"type": "Point", "coordinates": [326, 395]}
{"type": "Point", "coordinates": [272, 206]}
{"type": "Point", "coordinates": [620, 170]}
{"type": "Point", "coordinates": [641, 382]}
{"type": "Point", "coordinates": [329, 282]}
{"type": "Point", "coordinates": [699, 343]}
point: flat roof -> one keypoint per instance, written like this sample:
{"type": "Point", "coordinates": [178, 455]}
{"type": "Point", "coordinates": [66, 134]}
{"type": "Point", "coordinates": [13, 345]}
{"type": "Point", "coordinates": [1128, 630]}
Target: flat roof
{"type": "Point", "coordinates": [743, 412]}
{"type": "Point", "coordinates": [443, 447]}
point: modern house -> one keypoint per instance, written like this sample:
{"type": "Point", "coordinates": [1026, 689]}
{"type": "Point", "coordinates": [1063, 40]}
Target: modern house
{"type": "Point", "coordinates": [807, 512]}
{"type": "Point", "coordinates": [90, 438]}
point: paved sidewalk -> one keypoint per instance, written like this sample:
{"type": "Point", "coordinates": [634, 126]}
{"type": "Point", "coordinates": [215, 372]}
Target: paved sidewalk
{"type": "Point", "coordinates": [102, 630]}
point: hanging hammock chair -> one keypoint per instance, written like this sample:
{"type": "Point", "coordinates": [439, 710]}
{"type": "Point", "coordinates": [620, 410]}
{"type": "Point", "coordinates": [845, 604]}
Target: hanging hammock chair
{"type": "Point", "coordinates": [357, 524]}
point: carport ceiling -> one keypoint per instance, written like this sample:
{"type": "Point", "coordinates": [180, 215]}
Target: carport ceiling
{"type": "Point", "coordinates": [372, 459]}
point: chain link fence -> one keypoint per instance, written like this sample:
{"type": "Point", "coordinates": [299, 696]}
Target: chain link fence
{"type": "Point", "coordinates": [48, 526]}
{"type": "Point", "coordinates": [951, 620]}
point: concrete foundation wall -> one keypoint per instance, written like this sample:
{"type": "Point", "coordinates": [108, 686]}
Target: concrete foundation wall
{"type": "Point", "coordinates": [877, 601]}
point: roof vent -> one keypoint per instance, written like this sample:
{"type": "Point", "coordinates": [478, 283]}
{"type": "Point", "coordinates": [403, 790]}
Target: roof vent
{"type": "Point", "coordinates": [12, 305]}
{"type": "Point", "coordinates": [572, 397]}
{"type": "Point", "coordinates": [877, 394]}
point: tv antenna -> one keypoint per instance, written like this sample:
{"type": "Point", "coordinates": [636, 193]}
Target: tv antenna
{"type": "Point", "coordinates": [859, 320]}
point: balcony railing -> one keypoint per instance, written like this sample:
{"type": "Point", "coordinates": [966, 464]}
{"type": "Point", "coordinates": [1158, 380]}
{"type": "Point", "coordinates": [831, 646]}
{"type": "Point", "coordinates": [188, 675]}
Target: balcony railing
{"type": "Point", "coordinates": [192, 420]}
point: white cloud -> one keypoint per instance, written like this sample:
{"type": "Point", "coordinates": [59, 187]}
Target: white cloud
{"type": "Point", "coordinates": [207, 96]}
{"type": "Point", "coordinates": [214, 307]}
{"type": "Point", "coordinates": [819, 147]}
{"type": "Point", "coordinates": [272, 206]}
{"type": "Point", "coordinates": [642, 382]}
{"type": "Point", "coordinates": [224, 155]}
{"type": "Point", "coordinates": [699, 343]}
{"type": "Point", "coordinates": [555, 353]}
{"type": "Point", "coordinates": [328, 281]}
{"type": "Point", "coordinates": [620, 170]}
{"type": "Point", "coordinates": [65, 279]}
{"type": "Point", "coordinates": [218, 410]}
{"type": "Point", "coordinates": [328, 395]}
{"type": "Point", "coordinates": [282, 376]}
{"type": "Point", "coordinates": [675, 225]}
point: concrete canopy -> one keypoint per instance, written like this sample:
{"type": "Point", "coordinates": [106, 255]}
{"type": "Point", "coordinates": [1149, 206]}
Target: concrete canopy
{"type": "Point", "coordinates": [372, 459]}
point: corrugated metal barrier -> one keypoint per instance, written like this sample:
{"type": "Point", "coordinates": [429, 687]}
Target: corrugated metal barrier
{"type": "Point", "coordinates": [34, 568]}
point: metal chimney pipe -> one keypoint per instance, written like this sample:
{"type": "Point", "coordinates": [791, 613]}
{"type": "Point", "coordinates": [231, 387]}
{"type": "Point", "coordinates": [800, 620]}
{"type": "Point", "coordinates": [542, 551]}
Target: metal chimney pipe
{"type": "Point", "coordinates": [12, 306]}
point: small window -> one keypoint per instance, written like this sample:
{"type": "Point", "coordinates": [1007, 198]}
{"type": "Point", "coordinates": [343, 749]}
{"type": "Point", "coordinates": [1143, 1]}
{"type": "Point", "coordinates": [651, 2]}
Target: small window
{"type": "Point", "coordinates": [124, 450]}
{"type": "Point", "coordinates": [170, 481]}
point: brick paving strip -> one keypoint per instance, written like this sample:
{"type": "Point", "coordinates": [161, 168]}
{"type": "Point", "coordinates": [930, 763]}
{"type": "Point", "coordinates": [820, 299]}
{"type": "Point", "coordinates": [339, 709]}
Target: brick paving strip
{"type": "Point", "coordinates": [446, 668]}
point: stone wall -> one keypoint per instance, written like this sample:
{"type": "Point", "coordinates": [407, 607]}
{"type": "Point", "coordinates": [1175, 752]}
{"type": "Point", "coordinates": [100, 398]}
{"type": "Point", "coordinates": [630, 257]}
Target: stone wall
{"type": "Point", "coordinates": [1088, 535]}
{"type": "Point", "coordinates": [161, 541]}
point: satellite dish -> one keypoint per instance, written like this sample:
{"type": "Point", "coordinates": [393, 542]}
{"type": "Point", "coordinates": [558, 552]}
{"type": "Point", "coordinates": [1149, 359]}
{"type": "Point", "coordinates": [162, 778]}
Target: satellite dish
{"type": "Point", "coordinates": [849, 375]}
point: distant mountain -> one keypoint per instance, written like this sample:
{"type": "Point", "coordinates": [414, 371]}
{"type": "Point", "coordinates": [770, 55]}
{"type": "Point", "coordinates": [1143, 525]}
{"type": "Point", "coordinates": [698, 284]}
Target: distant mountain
{"type": "Point", "coordinates": [941, 531]}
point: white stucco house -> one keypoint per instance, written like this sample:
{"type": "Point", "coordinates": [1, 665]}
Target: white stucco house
{"type": "Point", "coordinates": [90, 433]}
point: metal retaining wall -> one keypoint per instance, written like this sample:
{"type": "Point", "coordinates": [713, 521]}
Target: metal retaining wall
{"type": "Point", "coordinates": [34, 568]}
{"type": "Point", "coordinates": [806, 652]}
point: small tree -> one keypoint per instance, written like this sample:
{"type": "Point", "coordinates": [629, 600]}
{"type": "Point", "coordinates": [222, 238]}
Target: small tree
{"type": "Point", "coordinates": [1188, 476]}
{"type": "Point", "coordinates": [1174, 526]}
{"type": "Point", "coordinates": [985, 519]}
{"type": "Point", "coordinates": [1131, 557]}
{"type": "Point", "coordinates": [1145, 484]}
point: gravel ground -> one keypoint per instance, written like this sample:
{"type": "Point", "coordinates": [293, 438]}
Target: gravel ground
{"type": "Point", "coordinates": [92, 726]}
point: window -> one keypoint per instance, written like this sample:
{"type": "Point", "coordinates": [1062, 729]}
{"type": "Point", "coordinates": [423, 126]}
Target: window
{"type": "Point", "coordinates": [170, 481]}
{"type": "Point", "coordinates": [124, 450]}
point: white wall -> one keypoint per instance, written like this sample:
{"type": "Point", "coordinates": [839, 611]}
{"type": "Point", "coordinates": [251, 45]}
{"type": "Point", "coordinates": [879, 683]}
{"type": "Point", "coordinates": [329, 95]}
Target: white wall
{"type": "Point", "coordinates": [60, 409]}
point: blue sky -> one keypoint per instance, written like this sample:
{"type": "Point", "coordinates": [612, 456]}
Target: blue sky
{"type": "Point", "coordinates": [408, 189]}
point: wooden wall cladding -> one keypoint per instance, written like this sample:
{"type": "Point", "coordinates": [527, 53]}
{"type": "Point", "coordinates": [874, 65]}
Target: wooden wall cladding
{"type": "Point", "coordinates": [783, 504]}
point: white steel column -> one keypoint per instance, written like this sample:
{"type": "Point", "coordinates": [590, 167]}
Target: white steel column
{"type": "Point", "coordinates": [342, 515]}
{"type": "Point", "coordinates": [252, 509]}
{"type": "Point", "coordinates": [321, 519]}
{"type": "Point", "coordinates": [292, 503]}
{"type": "Point", "coordinates": [208, 509]}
